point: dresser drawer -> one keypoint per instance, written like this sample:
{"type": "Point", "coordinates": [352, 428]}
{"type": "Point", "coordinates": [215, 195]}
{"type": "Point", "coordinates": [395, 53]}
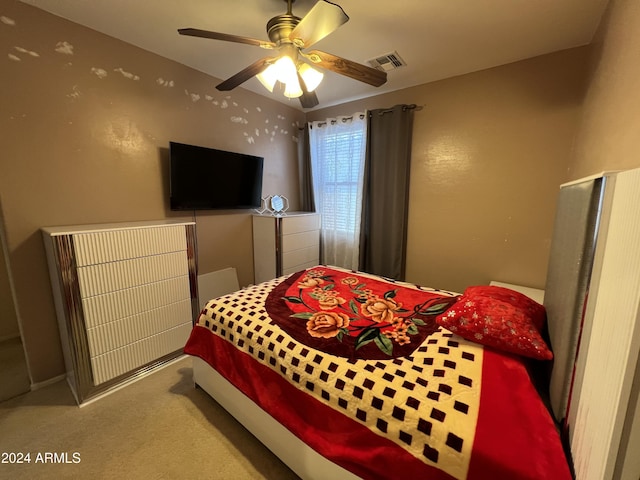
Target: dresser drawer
{"type": "Point", "coordinates": [103, 278]}
{"type": "Point", "coordinates": [125, 331]}
{"type": "Point", "coordinates": [297, 268]}
{"type": "Point", "coordinates": [300, 257]}
{"type": "Point", "coordinates": [114, 245]}
{"type": "Point", "coordinates": [103, 309]}
{"type": "Point", "coordinates": [300, 223]}
{"type": "Point", "coordinates": [296, 241]}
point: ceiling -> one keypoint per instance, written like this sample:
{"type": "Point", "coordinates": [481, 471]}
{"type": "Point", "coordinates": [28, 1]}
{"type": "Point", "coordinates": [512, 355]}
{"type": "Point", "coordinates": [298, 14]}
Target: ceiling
{"type": "Point", "coordinates": [436, 38]}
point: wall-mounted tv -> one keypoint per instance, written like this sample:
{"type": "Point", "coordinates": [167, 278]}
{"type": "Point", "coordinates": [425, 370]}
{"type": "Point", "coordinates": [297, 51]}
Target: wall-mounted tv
{"type": "Point", "coordinates": [204, 178]}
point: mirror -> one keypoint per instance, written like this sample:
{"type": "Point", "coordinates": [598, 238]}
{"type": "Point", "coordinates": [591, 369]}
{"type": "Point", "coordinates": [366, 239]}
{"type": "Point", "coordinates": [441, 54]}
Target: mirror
{"type": "Point", "coordinates": [277, 204]}
{"type": "Point", "coordinates": [14, 375]}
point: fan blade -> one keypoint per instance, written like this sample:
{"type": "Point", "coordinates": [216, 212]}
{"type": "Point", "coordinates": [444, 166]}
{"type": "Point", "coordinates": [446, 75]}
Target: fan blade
{"type": "Point", "coordinates": [194, 32]}
{"type": "Point", "coordinates": [346, 67]}
{"type": "Point", "coordinates": [322, 19]}
{"type": "Point", "coordinates": [244, 75]}
{"type": "Point", "coordinates": [308, 99]}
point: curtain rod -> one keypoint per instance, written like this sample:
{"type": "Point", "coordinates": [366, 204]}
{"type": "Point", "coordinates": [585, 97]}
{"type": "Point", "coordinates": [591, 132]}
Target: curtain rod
{"type": "Point", "coordinates": [404, 108]}
{"type": "Point", "coordinates": [333, 121]}
{"type": "Point", "coordinates": [343, 118]}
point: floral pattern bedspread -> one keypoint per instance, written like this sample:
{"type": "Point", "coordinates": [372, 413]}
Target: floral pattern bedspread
{"type": "Point", "coordinates": [356, 316]}
{"type": "Point", "coordinates": [372, 383]}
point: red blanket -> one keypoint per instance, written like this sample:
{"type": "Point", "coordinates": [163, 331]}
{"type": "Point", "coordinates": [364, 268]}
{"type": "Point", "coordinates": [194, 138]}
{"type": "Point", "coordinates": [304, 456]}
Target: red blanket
{"type": "Point", "coordinates": [448, 410]}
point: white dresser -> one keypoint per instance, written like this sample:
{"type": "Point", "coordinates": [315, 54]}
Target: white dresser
{"type": "Point", "coordinates": [125, 297]}
{"type": "Point", "coordinates": [283, 245]}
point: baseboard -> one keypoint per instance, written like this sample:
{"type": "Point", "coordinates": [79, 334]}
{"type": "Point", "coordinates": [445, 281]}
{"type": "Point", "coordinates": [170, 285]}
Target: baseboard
{"type": "Point", "coordinates": [132, 380]}
{"type": "Point", "coordinates": [9, 337]}
{"type": "Point", "coordinates": [51, 381]}
{"type": "Point", "coordinates": [46, 383]}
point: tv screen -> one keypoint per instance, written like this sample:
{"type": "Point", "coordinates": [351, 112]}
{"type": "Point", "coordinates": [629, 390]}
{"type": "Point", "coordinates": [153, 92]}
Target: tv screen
{"type": "Point", "coordinates": [206, 179]}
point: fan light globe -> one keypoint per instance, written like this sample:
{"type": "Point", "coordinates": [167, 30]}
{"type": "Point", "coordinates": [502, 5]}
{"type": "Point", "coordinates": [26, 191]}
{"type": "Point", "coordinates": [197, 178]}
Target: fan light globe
{"type": "Point", "coordinates": [292, 89]}
{"type": "Point", "coordinates": [310, 76]}
{"type": "Point", "coordinates": [269, 77]}
{"type": "Point", "coordinates": [286, 70]}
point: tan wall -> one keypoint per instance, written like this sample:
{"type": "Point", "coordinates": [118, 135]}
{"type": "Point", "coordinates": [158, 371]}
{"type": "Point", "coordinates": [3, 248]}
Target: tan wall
{"type": "Point", "coordinates": [489, 152]}
{"type": "Point", "coordinates": [8, 319]}
{"type": "Point", "coordinates": [86, 126]}
{"type": "Point", "coordinates": [609, 136]}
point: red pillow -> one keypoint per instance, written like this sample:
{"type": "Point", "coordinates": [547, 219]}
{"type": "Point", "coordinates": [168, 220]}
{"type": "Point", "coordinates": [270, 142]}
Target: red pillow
{"type": "Point", "coordinates": [519, 300]}
{"type": "Point", "coordinates": [496, 324]}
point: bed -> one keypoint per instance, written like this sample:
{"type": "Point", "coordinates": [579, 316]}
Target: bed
{"type": "Point", "coordinates": [344, 374]}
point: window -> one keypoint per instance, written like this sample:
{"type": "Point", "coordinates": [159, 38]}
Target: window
{"type": "Point", "coordinates": [342, 180]}
{"type": "Point", "coordinates": [337, 158]}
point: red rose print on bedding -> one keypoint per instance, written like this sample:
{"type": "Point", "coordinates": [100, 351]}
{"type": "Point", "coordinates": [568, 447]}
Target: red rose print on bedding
{"type": "Point", "coordinates": [356, 316]}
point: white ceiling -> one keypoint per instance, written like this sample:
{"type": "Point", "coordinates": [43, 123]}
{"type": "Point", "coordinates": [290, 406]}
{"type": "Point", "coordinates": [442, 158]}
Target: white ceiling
{"type": "Point", "coordinates": [436, 38]}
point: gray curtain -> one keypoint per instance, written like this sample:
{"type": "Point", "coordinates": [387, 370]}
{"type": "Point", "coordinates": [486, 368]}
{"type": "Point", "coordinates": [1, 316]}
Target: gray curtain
{"type": "Point", "coordinates": [383, 242]}
{"type": "Point", "coordinates": [305, 179]}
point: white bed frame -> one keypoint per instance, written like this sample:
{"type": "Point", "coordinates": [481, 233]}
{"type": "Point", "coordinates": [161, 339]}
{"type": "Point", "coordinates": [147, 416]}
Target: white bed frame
{"type": "Point", "coordinates": [297, 455]}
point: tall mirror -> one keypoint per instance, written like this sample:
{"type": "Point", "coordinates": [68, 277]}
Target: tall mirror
{"type": "Point", "coordinates": [14, 375]}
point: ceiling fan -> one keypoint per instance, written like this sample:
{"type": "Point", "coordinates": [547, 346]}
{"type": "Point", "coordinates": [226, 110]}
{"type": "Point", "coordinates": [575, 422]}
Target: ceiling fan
{"type": "Point", "coordinates": [292, 65]}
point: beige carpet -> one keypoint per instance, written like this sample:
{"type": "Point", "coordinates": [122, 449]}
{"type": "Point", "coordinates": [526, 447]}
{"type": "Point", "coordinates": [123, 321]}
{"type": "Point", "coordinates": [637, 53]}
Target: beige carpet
{"type": "Point", "coordinates": [160, 427]}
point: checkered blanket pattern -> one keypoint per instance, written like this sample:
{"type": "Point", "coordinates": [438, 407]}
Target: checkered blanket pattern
{"type": "Point", "coordinates": [426, 403]}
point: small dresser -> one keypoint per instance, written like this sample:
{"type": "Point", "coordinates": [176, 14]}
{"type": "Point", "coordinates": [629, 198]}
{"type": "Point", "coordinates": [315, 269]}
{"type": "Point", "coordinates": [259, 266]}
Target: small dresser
{"type": "Point", "coordinates": [285, 244]}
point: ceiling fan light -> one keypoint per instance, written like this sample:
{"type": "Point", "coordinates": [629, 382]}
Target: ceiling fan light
{"type": "Point", "coordinates": [268, 77]}
{"type": "Point", "coordinates": [292, 89]}
{"type": "Point", "coordinates": [310, 76]}
{"type": "Point", "coordinates": [286, 70]}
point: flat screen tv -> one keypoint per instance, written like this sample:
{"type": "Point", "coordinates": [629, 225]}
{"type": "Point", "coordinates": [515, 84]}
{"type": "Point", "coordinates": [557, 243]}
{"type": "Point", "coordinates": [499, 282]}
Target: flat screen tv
{"type": "Point", "coordinates": [204, 178]}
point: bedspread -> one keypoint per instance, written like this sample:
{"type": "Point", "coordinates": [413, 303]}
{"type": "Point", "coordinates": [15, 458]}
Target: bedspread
{"type": "Point", "coordinates": [373, 384]}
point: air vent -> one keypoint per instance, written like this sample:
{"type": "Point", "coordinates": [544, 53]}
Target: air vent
{"type": "Point", "coordinates": [387, 62]}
